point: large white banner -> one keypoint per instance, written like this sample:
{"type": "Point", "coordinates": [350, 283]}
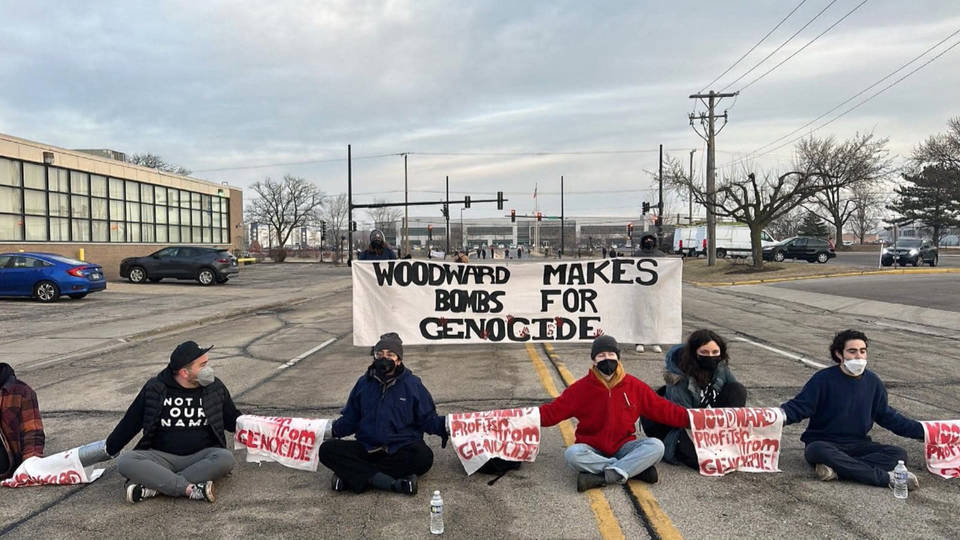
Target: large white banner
{"type": "Point", "coordinates": [636, 300]}
{"type": "Point", "coordinates": [942, 447]}
{"type": "Point", "coordinates": [737, 439]}
{"type": "Point", "coordinates": [57, 470]}
{"type": "Point", "coordinates": [292, 442]}
{"type": "Point", "coordinates": [510, 434]}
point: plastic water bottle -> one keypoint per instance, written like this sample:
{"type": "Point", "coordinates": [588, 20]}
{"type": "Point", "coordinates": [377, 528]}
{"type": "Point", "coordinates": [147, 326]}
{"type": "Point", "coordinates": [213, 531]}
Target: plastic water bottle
{"type": "Point", "coordinates": [436, 513]}
{"type": "Point", "coordinates": [900, 481]}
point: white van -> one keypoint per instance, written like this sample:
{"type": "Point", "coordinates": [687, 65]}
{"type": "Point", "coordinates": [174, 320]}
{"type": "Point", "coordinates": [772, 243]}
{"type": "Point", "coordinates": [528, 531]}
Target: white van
{"type": "Point", "coordinates": [732, 239]}
{"type": "Point", "coordinates": [685, 241]}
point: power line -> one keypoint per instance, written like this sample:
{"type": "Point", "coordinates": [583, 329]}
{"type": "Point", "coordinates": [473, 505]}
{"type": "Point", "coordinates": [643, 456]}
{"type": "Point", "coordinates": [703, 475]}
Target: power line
{"type": "Point", "coordinates": [807, 44]}
{"type": "Point", "coordinates": [718, 77]}
{"type": "Point", "coordinates": [760, 151]}
{"type": "Point", "coordinates": [789, 39]}
{"type": "Point", "coordinates": [291, 163]}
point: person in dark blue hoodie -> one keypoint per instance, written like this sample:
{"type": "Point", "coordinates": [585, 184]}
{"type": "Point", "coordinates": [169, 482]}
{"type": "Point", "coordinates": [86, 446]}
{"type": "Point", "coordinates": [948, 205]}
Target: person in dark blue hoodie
{"type": "Point", "coordinates": [842, 403]}
{"type": "Point", "coordinates": [388, 411]}
{"type": "Point", "coordinates": [378, 250]}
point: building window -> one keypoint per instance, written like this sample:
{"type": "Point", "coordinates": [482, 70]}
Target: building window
{"type": "Point", "coordinates": [10, 227]}
{"type": "Point", "coordinates": [34, 176]}
{"type": "Point", "coordinates": [36, 228]}
{"type": "Point", "coordinates": [9, 172]}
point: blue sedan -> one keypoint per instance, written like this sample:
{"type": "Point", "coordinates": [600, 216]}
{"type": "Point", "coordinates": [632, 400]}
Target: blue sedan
{"type": "Point", "coordinates": [46, 276]}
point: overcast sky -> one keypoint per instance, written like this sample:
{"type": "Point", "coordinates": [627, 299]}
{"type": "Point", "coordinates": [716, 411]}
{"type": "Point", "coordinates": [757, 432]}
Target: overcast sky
{"type": "Point", "coordinates": [223, 87]}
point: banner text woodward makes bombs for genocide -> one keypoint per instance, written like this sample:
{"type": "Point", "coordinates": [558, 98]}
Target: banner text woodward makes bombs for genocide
{"type": "Point", "coordinates": [579, 300]}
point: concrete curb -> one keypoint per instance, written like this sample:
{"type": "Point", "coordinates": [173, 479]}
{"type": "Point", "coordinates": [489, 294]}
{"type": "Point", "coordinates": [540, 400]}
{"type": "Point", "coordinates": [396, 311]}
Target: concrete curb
{"type": "Point", "coordinates": [822, 276]}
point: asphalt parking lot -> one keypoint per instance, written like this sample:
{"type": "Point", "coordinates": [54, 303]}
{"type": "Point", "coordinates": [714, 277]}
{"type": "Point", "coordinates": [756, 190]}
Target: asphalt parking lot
{"type": "Point", "coordinates": [88, 359]}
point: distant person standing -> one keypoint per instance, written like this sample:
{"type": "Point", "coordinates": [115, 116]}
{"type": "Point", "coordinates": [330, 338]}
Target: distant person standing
{"type": "Point", "coordinates": [491, 252]}
{"type": "Point", "coordinates": [604, 251]}
{"type": "Point", "coordinates": [378, 250]}
{"type": "Point", "coordinates": [519, 252]}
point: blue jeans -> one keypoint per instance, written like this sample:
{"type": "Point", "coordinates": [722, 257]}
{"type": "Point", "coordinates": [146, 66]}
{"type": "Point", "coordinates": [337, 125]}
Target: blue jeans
{"type": "Point", "coordinates": [631, 459]}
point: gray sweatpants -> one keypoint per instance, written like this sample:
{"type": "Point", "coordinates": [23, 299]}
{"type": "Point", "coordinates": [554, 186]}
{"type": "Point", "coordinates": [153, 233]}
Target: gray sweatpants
{"type": "Point", "coordinates": [170, 474]}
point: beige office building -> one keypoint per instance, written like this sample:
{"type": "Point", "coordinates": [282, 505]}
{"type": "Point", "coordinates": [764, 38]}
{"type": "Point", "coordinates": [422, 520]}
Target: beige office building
{"type": "Point", "coordinates": [73, 202]}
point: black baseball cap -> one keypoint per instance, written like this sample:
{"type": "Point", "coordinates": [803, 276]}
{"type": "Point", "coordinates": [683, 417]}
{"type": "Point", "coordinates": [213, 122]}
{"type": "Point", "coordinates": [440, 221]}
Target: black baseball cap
{"type": "Point", "coordinates": [186, 352]}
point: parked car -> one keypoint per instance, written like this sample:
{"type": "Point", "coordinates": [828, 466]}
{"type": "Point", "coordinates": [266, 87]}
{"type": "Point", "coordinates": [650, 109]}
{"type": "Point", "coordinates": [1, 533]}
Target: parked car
{"type": "Point", "coordinates": [206, 265]}
{"type": "Point", "coordinates": [800, 247]}
{"type": "Point", "coordinates": [912, 251]}
{"type": "Point", "coordinates": [46, 276]}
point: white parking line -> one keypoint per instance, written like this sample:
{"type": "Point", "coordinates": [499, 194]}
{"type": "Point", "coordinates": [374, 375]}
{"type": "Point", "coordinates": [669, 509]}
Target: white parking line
{"type": "Point", "coordinates": [803, 360]}
{"type": "Point", "coordinates": [293, 361]}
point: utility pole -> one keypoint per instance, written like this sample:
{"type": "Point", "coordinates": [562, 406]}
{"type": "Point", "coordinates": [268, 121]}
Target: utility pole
{"type": "Point", "coordinates": [711, 132]}
{"type": "Point", "coordinates": [446, 213]}
{"type": "Point", "coordinates": [562, 221]}
{"type": "Point", "coordinates": [406, 210]}
{"type": "Point", "coordinates": [349, 208]}
{"type": "Point", "coordinates": [690, 215]}
{"type": "Point", "coordinates": [660, 204]}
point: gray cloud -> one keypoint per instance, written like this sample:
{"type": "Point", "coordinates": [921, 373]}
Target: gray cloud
{"type": "Point", "coordinates": [226, 84]}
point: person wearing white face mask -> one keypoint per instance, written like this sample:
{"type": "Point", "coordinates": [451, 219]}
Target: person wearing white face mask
{"type": "Point", "coordinates": [183, 413]}
{"type": "Point", "coordinates": [842, 403]}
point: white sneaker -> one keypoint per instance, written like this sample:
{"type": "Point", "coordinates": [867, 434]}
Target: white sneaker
{"type": "Point", "coordinates": [639, 348]}
{"type": "Point", "coordinates": [136, 493]}
{"type": "Point", "coordinates": [656, 348]}
{"type": "Point", "coordinates": [825, 472]}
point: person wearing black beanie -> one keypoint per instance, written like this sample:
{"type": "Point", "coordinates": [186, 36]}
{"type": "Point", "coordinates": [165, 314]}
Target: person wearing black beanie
{"type": "Point", "coordinates": [607, 402]}
{"type": "Point", "coordinates": [388, 411]}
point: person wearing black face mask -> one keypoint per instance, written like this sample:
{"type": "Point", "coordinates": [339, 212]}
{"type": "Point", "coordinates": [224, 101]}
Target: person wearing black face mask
{"type": "Point", "coordinates": [378, 250]}
{"type": "Point", "coordinates": [388, 410]}
{"type": "Point", "coordinates": [607, 402]}
{"type": "Point", "coordinates": [698, 376]}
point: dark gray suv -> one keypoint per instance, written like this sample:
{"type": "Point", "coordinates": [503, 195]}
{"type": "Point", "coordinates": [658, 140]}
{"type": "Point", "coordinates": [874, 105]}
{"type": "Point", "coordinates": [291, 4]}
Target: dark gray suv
{"type": "Point", "coordinates": [206, 265]}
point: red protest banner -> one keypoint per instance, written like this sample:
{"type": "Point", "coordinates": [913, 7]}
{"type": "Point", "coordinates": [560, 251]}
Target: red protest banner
{"type": "Point", "coordinates": [736, 439]}
{"type": "Point", "coordinates": [511, 434]}
{"type": "Point", "coordinates": [942, 447]}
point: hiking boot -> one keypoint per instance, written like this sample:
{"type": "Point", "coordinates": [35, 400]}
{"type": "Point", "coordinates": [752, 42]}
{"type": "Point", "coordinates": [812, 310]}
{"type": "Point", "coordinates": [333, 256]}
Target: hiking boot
{"type": "Point", "coordinates": [649, 475]}
{"type": "Point", "coordinates": [136, 493]}
{"type": "Point", "coordinates": [203, 491]}
{"type": "Point", "coordinates": [336, 483]}
{"type": "Point", "coordinates": [587, 481]}
{"type": "Point", "coordinates": [912, 481]}
{"type": "Point", "coordinates": [612, 477]}
{"type": "Point", "coordinates": [825, 472]}
{"type": "Point", "coordinates": [406, 485]}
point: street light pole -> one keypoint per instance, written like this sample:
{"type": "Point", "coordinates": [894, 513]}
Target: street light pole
{"type": "Point", "coordinates": [562, 243]}
{"type": "Point", "coordinates": [406, 209]}
{"type": "Point", "coordinates": [690, 215]}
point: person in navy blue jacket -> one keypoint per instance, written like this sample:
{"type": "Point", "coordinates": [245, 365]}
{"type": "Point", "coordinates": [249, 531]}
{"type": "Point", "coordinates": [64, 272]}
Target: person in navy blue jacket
{"type": "Point", "coordinates": [388, 411]}
{"type": "Point", "coordinates": [842, 403]}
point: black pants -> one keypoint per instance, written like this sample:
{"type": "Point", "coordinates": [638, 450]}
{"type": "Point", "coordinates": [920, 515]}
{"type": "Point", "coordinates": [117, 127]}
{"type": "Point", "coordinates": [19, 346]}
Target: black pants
{"type": "Point", "coordinates": [865, 462]}
{"type": "Point", "coordinates": [350, 461]}
{"type": "Point", "coordinates": [732, 395]}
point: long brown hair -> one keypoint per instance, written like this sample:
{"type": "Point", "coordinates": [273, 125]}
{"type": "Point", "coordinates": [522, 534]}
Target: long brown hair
{"type": "Point", "coordinates": [688, 355]}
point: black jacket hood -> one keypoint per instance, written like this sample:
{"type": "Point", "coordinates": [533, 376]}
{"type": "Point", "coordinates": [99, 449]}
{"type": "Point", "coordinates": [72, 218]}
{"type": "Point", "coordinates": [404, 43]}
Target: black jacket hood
{"type": "Point", "coordinates": [6, 373]}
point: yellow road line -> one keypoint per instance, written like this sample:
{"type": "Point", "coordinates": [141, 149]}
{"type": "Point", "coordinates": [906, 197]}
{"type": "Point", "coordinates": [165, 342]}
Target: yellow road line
{"type": "Point", "coordinates": [657, 518]}
{"type": "Point", "coordinates": [607, 523]}
{"type": "Point", "coordinates": [561, 367]}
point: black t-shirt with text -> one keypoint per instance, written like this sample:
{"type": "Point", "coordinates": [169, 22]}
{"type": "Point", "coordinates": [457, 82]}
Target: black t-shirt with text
{"type": "Point", "coordinates": [183, 428]}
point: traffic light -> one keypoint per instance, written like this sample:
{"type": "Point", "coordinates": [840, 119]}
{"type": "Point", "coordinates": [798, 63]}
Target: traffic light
{"type": "Point", "coordinates": [646, 208]}
{"type": "Point", "coordinates": [513, 216]}
{"type": "Point", "coordinates": [630, 229]}
{"type": "Point", "coordinates": [323, 230]}
{"type": "Point", "coordinates": [539, 216]}
{"type": "Point", "coordinates": [430, 233]}
{"type": "Point", "coordinates": [466, 201]}
{"type": "Point", "coordinates": [499, 200]}
{"type": "Point", "coordinates": [353, 226]}
{"type": "Point", "coordinates": [444, 211]}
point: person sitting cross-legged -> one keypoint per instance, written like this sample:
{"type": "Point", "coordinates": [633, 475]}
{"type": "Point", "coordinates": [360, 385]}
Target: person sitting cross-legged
{"type": "Point", "coordinates": [607, 402]}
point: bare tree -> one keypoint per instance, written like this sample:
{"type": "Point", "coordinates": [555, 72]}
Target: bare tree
{"type": "Point", "coordinates": [154, 161]}
{"type": "Point", "coordinates": [868, 203]}
{"type": "Point", "coordinates": [335, 213]}
{"type": "Point", "coordinates": [384, 217]}
{"type": "Point", "coordinates": [860, 161]}
{"type": "Point", "coordinates": [286, 206]}
{"type": "Point", "coordinates": [786, 225]}
{"type": "Point", "coordinates": [756, 202]}
{"type": "Point", "coordinates": [942, 149]}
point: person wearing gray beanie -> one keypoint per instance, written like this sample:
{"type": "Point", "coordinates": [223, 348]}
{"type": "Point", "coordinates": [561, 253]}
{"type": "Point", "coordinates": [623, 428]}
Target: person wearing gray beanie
{"type": "Point", "coordinates": [607, 403]}
{"type": "Point", "coordinates": [388, 411]}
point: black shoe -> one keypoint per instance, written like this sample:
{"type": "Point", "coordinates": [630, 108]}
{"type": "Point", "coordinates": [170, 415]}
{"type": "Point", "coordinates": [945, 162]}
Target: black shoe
{"type": "Point", "coordinates": [587, 481]}
{"type": "Point", "coordinates": [407, 486]}
{"type": "Point", "coordinates": [650, 475]}
{"type": "Point", "coordinates": [336, 483]}
{"type": "Point", "coordinates": [203, 491]}
{"type": "Point", "coordinates": [136, 493]}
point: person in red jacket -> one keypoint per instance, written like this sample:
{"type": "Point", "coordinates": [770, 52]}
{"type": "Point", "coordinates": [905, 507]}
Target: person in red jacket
{"type": "Point", "coordinates": [607, 403]}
